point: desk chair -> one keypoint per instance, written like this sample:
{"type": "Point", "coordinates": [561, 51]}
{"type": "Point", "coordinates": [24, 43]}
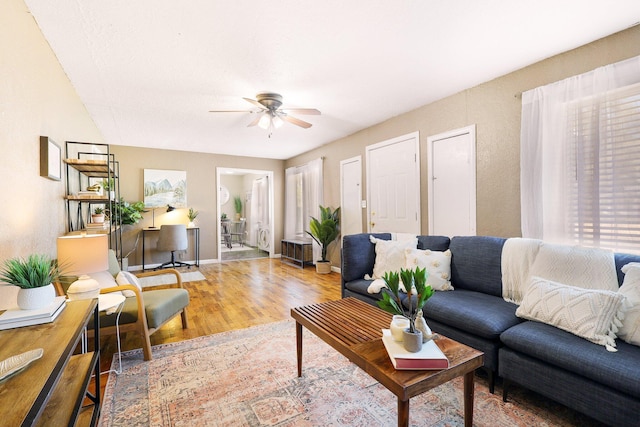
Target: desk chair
{"type": "Point", "coordinates": [239, 232]}
{"type": "Point", "coordinates": [173, 238]}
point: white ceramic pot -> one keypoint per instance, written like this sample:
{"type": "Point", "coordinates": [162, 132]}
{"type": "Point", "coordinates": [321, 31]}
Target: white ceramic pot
{"type": "Point", "coordinates": [35, 298]}
{"type": "Point", "coordinates": [398, 325]}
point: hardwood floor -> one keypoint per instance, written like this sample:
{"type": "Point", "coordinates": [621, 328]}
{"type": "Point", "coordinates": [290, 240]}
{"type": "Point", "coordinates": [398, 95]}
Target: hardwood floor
{"type": "Point", "coordinates": [237, 295]}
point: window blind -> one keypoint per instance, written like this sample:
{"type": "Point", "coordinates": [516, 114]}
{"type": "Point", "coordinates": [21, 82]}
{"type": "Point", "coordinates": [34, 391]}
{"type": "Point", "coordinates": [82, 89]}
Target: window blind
{"type": "Point", "coordinates": [603, 177]}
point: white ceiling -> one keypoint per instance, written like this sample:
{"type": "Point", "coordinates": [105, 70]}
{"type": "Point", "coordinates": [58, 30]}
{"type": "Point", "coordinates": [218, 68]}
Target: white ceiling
{"type": "Point", "coordinates": [148, 71]}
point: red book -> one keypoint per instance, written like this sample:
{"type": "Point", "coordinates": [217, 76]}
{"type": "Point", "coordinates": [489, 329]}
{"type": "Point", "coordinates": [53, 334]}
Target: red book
{"type": "Point", "coordinates": [429, 358]}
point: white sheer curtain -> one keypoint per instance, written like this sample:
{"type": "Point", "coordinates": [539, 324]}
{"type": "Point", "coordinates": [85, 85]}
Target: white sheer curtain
{"type": "Point", "coordinates": [575, 134]}
{"type": "Point", "coordinates": [303, 196]}
{"type": "Point", "coordinates": [259, 208]}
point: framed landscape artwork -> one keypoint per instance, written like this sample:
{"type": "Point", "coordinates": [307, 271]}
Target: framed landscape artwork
{"type": "Point", "coordinates": [165, 187]}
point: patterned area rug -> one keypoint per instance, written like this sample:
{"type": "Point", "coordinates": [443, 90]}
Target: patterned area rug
{"type": "Point", "coordinates": [248, 378]}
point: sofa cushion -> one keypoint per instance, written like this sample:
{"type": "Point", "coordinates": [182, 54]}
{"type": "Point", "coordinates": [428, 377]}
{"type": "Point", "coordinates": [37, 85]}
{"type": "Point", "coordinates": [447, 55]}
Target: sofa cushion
{"type": "Point", "coordinates": [630, 289]}
{"type": "Point", "coordinates": [126, 278]}
{"type": "Point", "coordinates": [476, 264]}
{"type": "Point", "coordinates": [435, 243]}
{"type": "Point", "coordinates": [358, 255]}
{"type": "Point", "coordinates": [437, 264]}
{"type": "Point", "coordinates": [619, 370]}
{"type": "Point", "coordinates": [622, 260]}
{"type": "Point", "coordinates": [390, 255]}
{"type": "Point", "coordinates": [592, 314]}
{"type": "Point", "coordinates": [474, 312]}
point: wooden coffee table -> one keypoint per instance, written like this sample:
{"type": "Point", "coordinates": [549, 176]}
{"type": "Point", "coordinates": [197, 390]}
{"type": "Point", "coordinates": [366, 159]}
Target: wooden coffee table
{"type": "Point", "coordinates": [354, 328]}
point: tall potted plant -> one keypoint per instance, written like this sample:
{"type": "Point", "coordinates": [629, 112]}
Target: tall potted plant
{"type": "Point", "coordinates": [415, 284]}
{"type": "Point", "coordinates": [237, 204]}
{"type": "Point", "coordinates": [325, 231]}
{"type": "Point", "coordinates": [34, 276]}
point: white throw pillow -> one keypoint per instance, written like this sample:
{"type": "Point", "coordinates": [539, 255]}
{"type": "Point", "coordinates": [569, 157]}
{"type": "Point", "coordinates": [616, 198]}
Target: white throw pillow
{"type": "Point", "coordinates": [438, 265]}
{"type": "Point", "coordinates": [390, 255]}
{"type": "Point", "coordinates": [126, 278]}
{"type": "Point", "coordinates": [630, 329]}
{"type": "Point", "coordinates": [588, 313]}
{"type": "Point", "coordinates": [104, 279]}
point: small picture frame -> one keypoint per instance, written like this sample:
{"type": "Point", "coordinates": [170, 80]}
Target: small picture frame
{"type": "Point", "coordinates": [50, 159]}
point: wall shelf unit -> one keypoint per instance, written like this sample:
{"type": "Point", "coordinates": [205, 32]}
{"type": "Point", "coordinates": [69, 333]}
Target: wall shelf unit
{"type": "Point", "coordinates": [87, 164]}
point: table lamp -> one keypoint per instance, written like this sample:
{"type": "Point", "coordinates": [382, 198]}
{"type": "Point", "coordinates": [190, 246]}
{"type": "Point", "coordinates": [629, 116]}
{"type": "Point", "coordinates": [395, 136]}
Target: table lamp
{"type": "Point", "coordinates": [81, 255]}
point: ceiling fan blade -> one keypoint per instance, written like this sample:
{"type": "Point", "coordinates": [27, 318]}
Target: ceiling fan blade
{"type": "Point", "coordinates": [255, 121]}
{"type": "Point", "coordinates": [254, 102]}
{"type": "Point", "coordinates": [295, 121]}
{"type": "Point", "coordinates": [230, 111]}
{"type": "Point", "coordinates": [312, 111]}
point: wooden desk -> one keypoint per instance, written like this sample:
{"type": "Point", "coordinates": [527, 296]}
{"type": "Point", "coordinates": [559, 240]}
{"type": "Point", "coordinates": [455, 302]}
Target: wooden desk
{"type": "Point", "coordinates": [196, 232]}
{"type": "Point", "coordinates": [354, 328]}
{"type": "Point", "coordinates": [52, 389]}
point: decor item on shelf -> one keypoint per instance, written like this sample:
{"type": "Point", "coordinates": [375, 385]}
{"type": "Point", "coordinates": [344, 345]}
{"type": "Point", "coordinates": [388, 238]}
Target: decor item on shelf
{"type": "Point", "coordinates": [415, 283]}
{"type": "Point", "coordinates": [17, 363]}
{"type": "Point", "coordinates": [109, 187]}
{"type": "Point", "coordinates": [34, 276]}
{"type": "Point", "coordinates": [398, 324]}
{"type": "Point", "coordinates": [82, 255]}
{"type": "Point", "coordinates": [223, 217]}
{"type": "Point", "coordinates": [325, 231]}
{"type": "Point", "coordinates": [192, 215]}
{"type": "Point", "coordinates": [98, 215]}
{"type": "Point", "coordinates": [131, 213]}
{"type": "Point", "coordinates": [237, 205]}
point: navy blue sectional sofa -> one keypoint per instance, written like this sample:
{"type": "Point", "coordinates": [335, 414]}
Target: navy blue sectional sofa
{"type": "Point", "coordinates": [557, 364]}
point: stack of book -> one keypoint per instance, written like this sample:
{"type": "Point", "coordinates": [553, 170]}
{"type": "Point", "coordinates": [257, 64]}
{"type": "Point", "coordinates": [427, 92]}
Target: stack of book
{"type": "Point", "coordinates": [97, 225]}
{"type": "Point", "coordinates": [16, 318]}
{"type": "Point", "coordinates": [429, 358]}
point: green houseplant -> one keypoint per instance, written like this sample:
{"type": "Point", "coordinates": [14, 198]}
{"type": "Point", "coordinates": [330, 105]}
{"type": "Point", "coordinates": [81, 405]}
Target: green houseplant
{"type": "Point", "coordinates": [131, 213]}
{"type": "Point", "coordinates": [324, 231]}
{"type": "Point", "coordinates": [98, 215]}
{"type": "Point", "coordinates": [192, 214]}
{"type": "Point", "coordinates": [34, 276]}
{"type": "Point", "coordinates": [415, 284]}
{"type": "Point", "coordinates": [237, 204]}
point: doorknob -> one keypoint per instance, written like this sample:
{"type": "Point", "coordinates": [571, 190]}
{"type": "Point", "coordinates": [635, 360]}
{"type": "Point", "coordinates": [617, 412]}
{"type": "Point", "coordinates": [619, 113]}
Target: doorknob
{"type": "Point", "coordinates": [373, 224]}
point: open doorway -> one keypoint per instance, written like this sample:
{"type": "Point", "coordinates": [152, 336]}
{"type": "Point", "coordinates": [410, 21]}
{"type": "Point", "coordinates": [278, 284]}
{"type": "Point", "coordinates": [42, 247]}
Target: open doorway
{"type": "Point", "coordinates": [245, 210]}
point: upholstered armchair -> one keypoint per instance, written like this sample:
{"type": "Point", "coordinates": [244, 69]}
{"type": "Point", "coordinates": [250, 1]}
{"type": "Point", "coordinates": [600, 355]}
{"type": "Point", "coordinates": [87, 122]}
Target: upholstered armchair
{"type": "Point", "coordinates": [158, 305]}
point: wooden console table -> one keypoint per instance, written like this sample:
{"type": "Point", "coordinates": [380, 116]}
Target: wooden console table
{"type": "Point", "coordinates": [52, 389]}
{"type": "Point", "coordinates": [297, 252]}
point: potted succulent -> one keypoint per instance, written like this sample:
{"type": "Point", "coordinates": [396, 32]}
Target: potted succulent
{"type": "Point", "coordinates": [415, 284]}
{"type": "Point", "coordinates": [237, 204]}
{"type": "Point", "coordinates": [34, 276]}
{"type": "Point", "coordinates": [98, 215]}
{"type": "Point", "coordinates": [325, 231]}
{"type": "Point", "coordinates": [192, 215]}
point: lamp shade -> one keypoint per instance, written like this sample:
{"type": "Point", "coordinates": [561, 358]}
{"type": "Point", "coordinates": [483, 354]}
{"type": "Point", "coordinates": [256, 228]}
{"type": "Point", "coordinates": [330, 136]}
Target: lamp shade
{"type": "Point", "coordinates": [83, 254]}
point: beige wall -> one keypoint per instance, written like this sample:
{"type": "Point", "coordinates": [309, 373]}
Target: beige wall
{"type": "Point", "coordinates": [201, 191]}
{"type": "Point", "coordinates": [36, 98]}
{"type": "Point", "coordinates": [494, 107]}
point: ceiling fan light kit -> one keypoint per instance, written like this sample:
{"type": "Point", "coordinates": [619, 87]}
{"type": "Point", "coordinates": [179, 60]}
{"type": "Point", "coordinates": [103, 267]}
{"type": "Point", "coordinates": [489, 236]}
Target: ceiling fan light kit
{"type": "Point", "coordinates": [272, 116]}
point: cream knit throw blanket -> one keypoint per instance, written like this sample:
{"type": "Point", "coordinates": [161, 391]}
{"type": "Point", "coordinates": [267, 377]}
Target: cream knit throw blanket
{"type": "Point", "coordinates": [587, 268]}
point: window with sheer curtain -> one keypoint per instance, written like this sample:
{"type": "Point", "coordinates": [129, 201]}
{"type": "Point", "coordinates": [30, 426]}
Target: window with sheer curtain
{"type": "Point", "coordinates": [303, 196]}
{"type": "Point", "coordinates": [580, 159]}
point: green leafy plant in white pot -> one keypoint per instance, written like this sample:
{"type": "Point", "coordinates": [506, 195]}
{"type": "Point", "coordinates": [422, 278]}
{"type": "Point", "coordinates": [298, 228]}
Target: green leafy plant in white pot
{"type": "Point", "coordinates": [418, 292]}
{"type": "Point", "coordinates": [98, 215]}
{"type": "Point", "coordinates": [192, 215]}
{"type": "Point", "coordinates": [324, 231]}
{"type": "Point", "coordinates": [34, 276]}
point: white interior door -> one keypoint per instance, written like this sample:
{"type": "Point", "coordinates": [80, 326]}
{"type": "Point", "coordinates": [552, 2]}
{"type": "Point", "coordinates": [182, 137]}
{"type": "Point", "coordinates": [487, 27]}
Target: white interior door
{"type": "Point", "coordinates": [393, 185]}
{"type": "Point", "coordinates": [351, 196]}
{"type": "Point", "coordinates": [452, 182]}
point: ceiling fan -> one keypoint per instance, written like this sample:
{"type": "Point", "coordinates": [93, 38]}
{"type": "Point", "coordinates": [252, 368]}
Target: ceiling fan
{"type": "Point", "coordinates": [270, 116]}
